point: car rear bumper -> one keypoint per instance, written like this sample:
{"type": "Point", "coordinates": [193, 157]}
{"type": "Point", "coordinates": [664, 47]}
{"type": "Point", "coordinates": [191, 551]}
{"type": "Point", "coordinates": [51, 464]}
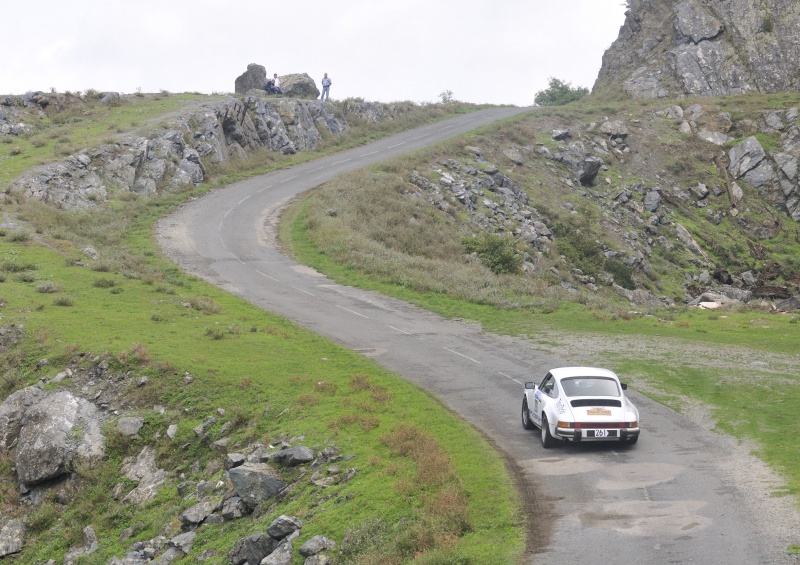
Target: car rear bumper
{"type": "Point", "coordinates": [587, 434]}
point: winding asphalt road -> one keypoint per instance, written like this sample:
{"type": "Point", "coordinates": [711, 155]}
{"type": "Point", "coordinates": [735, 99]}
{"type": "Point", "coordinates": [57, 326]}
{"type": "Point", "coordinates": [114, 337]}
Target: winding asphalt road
{"type": "Point", "coordinates": [669, 499]}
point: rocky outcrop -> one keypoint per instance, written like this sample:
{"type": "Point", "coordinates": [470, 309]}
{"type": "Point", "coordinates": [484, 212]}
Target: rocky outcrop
{"type": "Point", "coordinates": [214, 132]}
{"type": "Point", "coordinates": [670, 48]}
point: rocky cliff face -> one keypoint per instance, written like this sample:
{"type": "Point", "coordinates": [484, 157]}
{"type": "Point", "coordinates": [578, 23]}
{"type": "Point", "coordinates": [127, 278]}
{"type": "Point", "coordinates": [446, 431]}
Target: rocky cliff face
{"type": "Point", "coordinates": [671, 48]}
{"type": "Point", "coordinates": [214, 132]}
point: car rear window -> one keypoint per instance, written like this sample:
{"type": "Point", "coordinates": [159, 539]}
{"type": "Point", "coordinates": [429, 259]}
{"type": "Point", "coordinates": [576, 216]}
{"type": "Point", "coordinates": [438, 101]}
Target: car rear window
{"type": "Point", "coordinates": [590, 386]}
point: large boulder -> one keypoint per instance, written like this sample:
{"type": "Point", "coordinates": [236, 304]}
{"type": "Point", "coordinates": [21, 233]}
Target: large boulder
{"type": "Point", "coordinates": [254, 77]}
{"type": "Point", "coordinates": [58, 434]}
{"type": "Point", "coordinates": [299, 85]}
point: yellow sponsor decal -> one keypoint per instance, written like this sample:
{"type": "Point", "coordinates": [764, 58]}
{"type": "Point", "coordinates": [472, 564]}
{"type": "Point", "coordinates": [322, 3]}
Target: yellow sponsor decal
{"type": "Point", "coordinates": [598, 412]}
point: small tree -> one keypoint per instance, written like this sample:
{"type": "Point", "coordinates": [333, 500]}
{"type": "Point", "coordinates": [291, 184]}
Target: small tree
{"type": "Point", "coordinates": [446, 96]}
{"type": "Point", "coordinates": [559, 94]}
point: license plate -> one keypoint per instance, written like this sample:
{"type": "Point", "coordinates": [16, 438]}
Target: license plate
{"type": "Point", "coordinates": [602, 433]}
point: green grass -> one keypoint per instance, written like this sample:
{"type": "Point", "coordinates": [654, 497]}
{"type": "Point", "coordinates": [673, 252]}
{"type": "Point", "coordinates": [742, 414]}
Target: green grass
{"type": "Point", "coordinates": [266, 374]}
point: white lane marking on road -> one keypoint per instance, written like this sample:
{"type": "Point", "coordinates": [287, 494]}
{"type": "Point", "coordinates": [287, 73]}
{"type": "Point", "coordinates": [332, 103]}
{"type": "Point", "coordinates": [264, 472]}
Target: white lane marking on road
{"type": "Point", "coordinates": [424, 135]}
{"type": "Point", "coordinates": [351, 311]}
{"type": "Point", "coordinates": [287, 180]}
{"type": "Point", "coordinates": [399, 330]}
{"type": "Point", "coordinates": [260, 190]}
{"type": "Point", "coordinates": [462, 355]}
{"type": "Point", "coordinates": [263, 274]}
{"type": "Point", "coordinates": [301, 290]}
{"type": "Point", "coordinates": [398, 145]}
{"type": "Point", "coordinates": [511, 378]}
{"type": "Point", "coordinates": [368, 154]}
{"type": "Point", "coordinates": [340, 162]}
{"type": "Point", "coordinates": [315, 170]}
{"type": "Point", "coordinates": [444, 128]}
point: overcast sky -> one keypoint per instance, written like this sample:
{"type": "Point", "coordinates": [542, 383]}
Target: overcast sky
{"type": "Point", "coordinates": [495, 51]}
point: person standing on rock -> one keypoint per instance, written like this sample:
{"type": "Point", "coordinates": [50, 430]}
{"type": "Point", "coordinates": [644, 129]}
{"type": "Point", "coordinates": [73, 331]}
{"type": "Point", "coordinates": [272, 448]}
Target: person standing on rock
{"type": "Point", "coordinates": [326, 86]}
{"type": "Point", "coordinates": [276, 84]}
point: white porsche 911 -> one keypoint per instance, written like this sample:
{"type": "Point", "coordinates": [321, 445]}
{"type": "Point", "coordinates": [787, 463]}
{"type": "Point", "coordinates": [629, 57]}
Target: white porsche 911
{"type": "Point", "coordinates": [580, 404]}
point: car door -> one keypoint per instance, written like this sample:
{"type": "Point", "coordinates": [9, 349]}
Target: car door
{"type": "Point", "coordinates": [543, 397]}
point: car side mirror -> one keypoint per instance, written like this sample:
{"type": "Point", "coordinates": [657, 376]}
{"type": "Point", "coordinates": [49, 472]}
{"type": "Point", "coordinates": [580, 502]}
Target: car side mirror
{"type": "Point", "coordinates": [530, 385]}
{"type": "Point", "coordinates": [624, 386]}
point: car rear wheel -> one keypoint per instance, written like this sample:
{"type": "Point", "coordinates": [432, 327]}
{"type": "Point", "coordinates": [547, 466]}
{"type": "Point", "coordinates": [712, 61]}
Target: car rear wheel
{"type": "Point", "coordinates": [548, 440]}
{"type": "Point", "coordinates": [526, 416]}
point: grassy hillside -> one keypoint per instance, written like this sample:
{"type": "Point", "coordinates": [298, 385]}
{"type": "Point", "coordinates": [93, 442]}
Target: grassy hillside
{"type": "Point", "coordinates": [177, 351]}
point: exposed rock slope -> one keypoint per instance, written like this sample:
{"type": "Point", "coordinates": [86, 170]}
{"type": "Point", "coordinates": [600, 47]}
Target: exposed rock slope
{"type": "Point", "coordinates": [669, 48]}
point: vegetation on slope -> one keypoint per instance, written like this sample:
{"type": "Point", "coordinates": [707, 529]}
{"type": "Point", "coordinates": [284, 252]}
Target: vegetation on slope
{"type": "Point", "coordinates": [428, 487]}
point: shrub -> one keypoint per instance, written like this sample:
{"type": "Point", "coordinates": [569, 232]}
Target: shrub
{"type": "Point", "coordinates": [47, 287]}
{"type": "Point", "coordinates": [498, 253]}
{"type": "Point", "coordinates": [559, 93]}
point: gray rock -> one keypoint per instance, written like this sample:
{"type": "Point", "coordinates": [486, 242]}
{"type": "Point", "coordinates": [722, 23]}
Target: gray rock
{"type": "Point", "coordinates": [183, 541]}
{"type": "Point", "coordinates": [318, 560]}
{"type": "Point", "coordinates": [282, 555]}
{"type": "Point", "coordinates": [130, 425]}
{"type": "Point", "coordinates": [652, 200]}
{"type": "Point", "coordinates": [787, 164]}
{"type": "Point", "coordinates": [299, 85]}
{"type": "Point", "coordinates": [12, 536]}
{"type": "Point", "coordinates": [284, 526]}
{"type": "Point", "coordinates": [252, 549]}
{"type": "Point", "coordinates": [143, 469]}
{"type": "Point", "coordinates": [110, 98]}
{"type": "Point", "coordinates": [58, 433]}
{"type": "Point", "coordinates": [256, 482]}
{"type": "Point", "coordinates": [614, 129]}
{"type": "Point", "coordinates": [293, 456]}
{"type": "Point", "coordinates": [234, 508]}
{"type": "Point", "coordinates": [12, 411]}
{"type": "Point", "coordinates": [255, 77]}
{"type": "Point", "coordinates": [749, 279]}
{"type": "Point", "coordinates": [315, 545]}
{"type": "Point", "coordinates": [583, 165]}
{"type": "Point", "coordinates": [195, 515]}
{"type": "Point", "coordinates": [788, 305]}
{"type": "Point", "coordinates": [694, 23]}
{"type": "Point", "coordinates": [745, 156]}
{"type": "Point", "coordinates": [89, 546]}
{"type": "Point", "coordinates": [714, 137]}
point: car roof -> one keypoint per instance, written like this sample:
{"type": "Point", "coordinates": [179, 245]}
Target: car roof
{"type": "Point", "coordinates": [567, 372]}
